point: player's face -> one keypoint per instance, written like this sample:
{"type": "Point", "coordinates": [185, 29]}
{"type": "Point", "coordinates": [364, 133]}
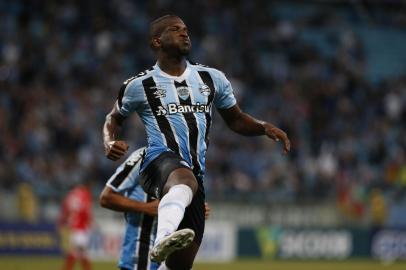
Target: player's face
{"type": "Point", "coordinates": [175, 38]}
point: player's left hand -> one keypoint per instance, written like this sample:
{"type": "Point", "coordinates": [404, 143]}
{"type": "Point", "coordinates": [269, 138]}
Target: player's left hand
{"type": "Point", "coordinates": [277, 134]}
{"type": "Point", "coordinates": [206, 210]}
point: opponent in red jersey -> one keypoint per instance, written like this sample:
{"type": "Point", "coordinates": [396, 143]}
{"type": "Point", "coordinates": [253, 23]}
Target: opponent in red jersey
{"type": "Point", "coordinates": [76, 216]}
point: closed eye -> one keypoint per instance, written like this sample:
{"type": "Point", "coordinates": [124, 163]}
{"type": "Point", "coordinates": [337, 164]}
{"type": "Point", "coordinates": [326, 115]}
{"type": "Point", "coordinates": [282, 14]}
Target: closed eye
{"type": "Point", "coordinates": [178, 28]}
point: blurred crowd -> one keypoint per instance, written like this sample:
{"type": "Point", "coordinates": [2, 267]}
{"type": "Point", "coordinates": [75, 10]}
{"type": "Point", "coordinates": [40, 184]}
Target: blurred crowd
{"type": "Point", "coordinates": [62, 63]}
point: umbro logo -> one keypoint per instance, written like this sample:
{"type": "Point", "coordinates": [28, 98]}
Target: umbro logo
{"type": "Point", "coordinates": [160, 92]}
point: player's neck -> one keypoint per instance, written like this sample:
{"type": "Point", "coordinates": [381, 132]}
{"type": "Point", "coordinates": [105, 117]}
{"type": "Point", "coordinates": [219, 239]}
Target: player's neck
{"type": "Point", "coordinates": [172, 65]}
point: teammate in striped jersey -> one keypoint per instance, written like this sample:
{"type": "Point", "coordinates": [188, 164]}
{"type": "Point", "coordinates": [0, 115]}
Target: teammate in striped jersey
{"type": "Point", "coordinates": [174, 100]}
{"type": "Point", "coordinates": [123, 193]}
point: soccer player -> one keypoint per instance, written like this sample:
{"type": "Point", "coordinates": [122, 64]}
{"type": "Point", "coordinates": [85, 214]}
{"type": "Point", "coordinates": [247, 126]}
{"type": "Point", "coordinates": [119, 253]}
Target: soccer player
{"type": "Point", "coordinates": [76, 216]}
{"type": "Point", "coordinates": [123, 193]}
{"type": "Point", "coordinates": [174, 100]}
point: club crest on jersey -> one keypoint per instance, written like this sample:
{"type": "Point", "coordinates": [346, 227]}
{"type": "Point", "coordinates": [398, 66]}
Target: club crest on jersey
{"type": "Point", "coordinates": [204, 90]}
{"type": "Point", "coordinates": [183, 92]}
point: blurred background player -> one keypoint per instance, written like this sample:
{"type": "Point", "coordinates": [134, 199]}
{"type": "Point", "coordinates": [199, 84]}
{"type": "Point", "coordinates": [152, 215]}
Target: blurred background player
{"type": "Point", "coordinates": [76, 218]}
{"type": "Point", "coordinates": [174, 99]}
{"type": "Point", "coordinates": [123, 193]}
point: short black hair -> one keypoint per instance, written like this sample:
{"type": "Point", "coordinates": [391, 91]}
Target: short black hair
{"type": "Point", "coordinates": [157, 26]}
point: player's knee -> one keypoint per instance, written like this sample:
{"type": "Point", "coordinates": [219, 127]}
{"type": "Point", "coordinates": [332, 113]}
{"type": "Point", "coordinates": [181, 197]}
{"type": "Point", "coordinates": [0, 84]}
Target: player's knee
{"type": "Point", "coordinates": [181, 176]}
{"type": "Point", "coordinates": [192, 183]}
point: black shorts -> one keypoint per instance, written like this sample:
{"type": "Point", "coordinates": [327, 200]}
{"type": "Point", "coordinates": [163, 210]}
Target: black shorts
{"type": "Point", "coordinates": [153, 179]}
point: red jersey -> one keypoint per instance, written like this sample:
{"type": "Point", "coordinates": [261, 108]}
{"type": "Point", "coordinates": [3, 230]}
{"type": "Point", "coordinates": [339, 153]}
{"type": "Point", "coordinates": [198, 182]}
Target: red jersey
{"type": "Point", "coordinates": [77, 209]}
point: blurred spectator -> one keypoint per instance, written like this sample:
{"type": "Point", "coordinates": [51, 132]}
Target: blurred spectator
{"type": "Point", "coordinates": [379, 210]}
{"type": "Point", "coordinates": [27, 202]}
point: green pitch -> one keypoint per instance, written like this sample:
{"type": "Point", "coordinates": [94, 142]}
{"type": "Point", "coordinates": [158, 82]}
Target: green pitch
{"type": "Point", "coordinates": [46, 263]}
{"type": "Point", "coordinates": [306, 265]}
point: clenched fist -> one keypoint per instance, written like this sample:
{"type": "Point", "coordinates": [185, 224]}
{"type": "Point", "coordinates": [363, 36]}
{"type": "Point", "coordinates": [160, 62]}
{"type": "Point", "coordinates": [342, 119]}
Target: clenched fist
{"type": "Point", "coordinates": [114, 150]}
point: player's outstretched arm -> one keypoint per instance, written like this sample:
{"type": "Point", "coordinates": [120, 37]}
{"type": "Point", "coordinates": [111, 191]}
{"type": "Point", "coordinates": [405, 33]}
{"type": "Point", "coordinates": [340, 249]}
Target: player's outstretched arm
{"type": "Point", "coordinates": [113, 148]}
{"type": "Point", "coordinates": [244, 124]}
{"type": "Point", "coordinates": [117, 202]}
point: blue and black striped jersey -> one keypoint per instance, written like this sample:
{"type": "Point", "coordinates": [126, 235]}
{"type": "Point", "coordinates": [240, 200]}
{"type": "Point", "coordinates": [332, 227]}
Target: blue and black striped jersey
{"type": "Point", "coordinates": [140, 231]}
{"type": "Point", "coordinates": [176, 111]}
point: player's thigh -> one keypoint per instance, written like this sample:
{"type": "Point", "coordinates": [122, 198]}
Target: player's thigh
{"type": "Point", "coordinates": [179, 176]}
{"type": "Point", "coordinates": [183, 259]}
{"type": "Point", "coordinates": [155, 175]}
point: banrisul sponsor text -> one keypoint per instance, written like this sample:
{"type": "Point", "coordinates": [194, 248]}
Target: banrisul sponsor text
{"type": "Point", "coordinates": [173, 108]}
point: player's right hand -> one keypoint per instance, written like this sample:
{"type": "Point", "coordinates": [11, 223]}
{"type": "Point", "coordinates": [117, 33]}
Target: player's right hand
{"type": "Point", "coordinates": [114, 150]}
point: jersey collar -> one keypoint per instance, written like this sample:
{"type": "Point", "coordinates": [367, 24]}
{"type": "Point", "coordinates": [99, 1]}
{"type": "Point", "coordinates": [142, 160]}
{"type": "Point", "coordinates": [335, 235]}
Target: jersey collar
{"type": "Point", "coordinates": [176, 78]}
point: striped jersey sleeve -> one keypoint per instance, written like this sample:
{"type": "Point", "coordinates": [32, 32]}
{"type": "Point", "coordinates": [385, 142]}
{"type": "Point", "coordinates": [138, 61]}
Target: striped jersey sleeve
{"type": "Point", "coordinates": [127, 174]}
{"type": "Point", "coordinates": [224, 97]}
{"type": "Point", "coordinates": [131, 97]}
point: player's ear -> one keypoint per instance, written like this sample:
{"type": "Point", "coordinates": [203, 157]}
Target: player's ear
{"type": "Point", "coordinates": [155, 43]}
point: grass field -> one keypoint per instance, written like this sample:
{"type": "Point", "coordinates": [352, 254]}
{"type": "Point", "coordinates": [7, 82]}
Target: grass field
{"type": "Point", "coordinates": [45, 263]}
